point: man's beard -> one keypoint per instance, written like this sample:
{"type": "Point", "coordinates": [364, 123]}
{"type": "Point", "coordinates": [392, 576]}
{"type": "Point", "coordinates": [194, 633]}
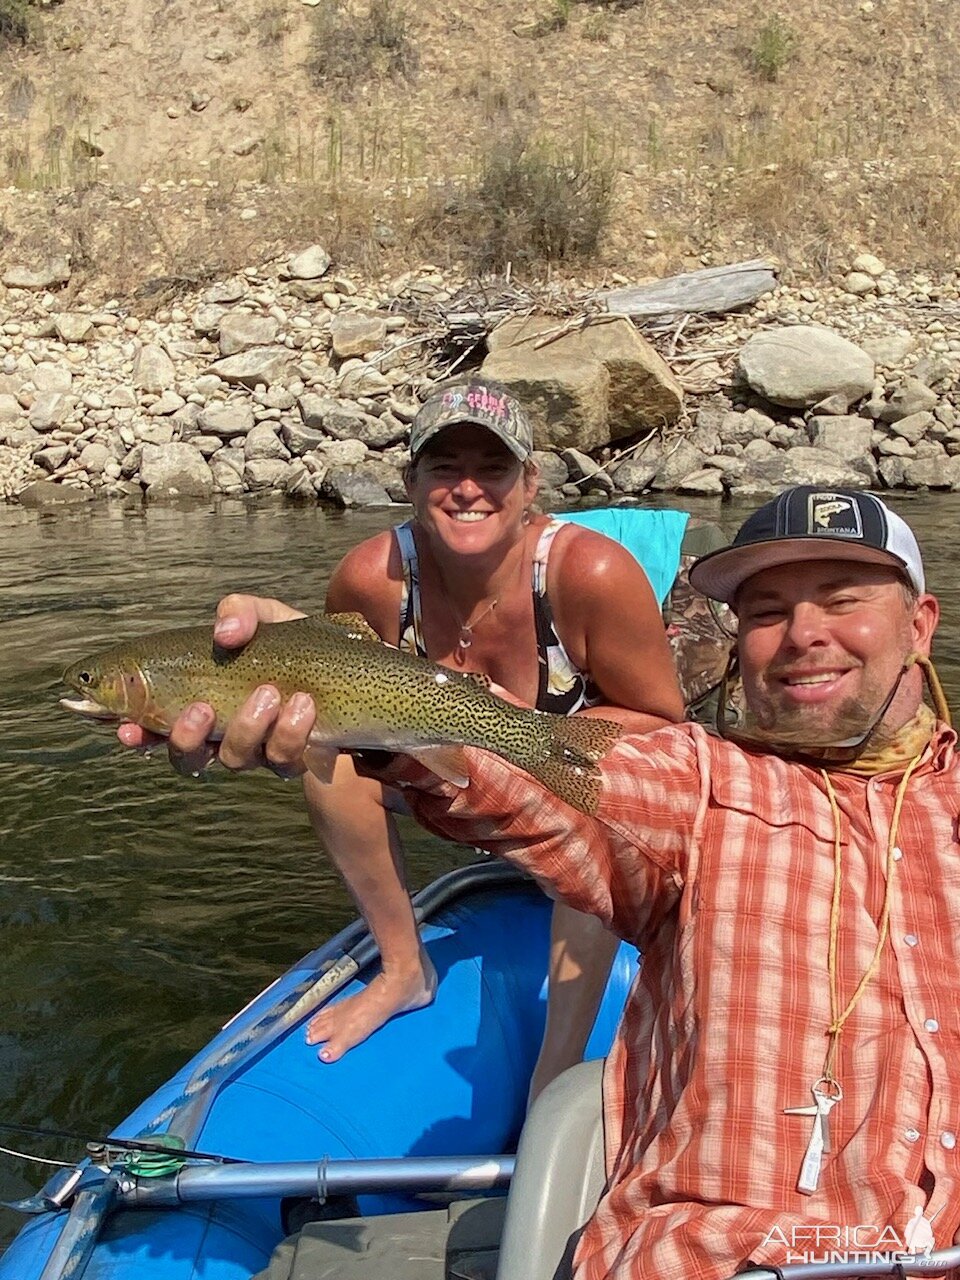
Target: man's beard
{"type": "Point", "coordinates": [815, 726]}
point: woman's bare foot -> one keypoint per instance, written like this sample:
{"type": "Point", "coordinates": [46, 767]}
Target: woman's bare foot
{"type": "Point", "coordinates": [345, 1024]}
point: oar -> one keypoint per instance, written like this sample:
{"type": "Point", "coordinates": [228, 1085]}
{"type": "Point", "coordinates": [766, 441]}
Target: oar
{"type": "Point", "coordinates": [326, 1178]}
{"type": "Point", "coordinates": [59, 1189]}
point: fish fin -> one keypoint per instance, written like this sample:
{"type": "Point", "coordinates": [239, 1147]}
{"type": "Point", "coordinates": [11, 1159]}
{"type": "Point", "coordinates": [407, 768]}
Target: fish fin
{"type": "Point", "coordinates": [587, 736]}
{"type": "Point", "coordinates": [479, 678]}
{"type": "Point", "coordinates": [355, 625]}
{"type": "Point", "coordinates": [578, 744]}
{"type": "Point", "coordinates": [447, 762]}
{"type": "Point", "coordinates": [321, 760]}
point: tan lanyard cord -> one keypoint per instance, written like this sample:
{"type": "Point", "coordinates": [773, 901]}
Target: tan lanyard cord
{"type": "Point", "coordinates": [838, 1018]}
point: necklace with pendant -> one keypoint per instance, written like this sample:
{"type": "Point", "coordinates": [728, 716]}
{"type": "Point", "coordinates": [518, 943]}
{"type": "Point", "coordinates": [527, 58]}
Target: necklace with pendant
{"type": "Point", "coordinates": [465, 639]}
{"type": "Point", "coordinates": [827, 1091]}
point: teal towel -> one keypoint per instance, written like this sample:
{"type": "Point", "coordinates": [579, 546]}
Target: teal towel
{"type": "Point", "coordinates": [653, 536]}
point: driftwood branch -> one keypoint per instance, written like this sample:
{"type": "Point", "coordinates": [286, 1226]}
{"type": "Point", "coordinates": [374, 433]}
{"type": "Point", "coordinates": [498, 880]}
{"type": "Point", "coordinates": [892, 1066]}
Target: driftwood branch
{"type": "Point", "coordinates": [714, 290]}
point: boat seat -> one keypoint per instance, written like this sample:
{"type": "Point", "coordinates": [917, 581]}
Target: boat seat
{"type": "Point", "coordinates": [527, 1236]}
{"type": "Point", "coordinates": [558, 1179]}
{"type": "Point", "coordinates": [459, 1242]}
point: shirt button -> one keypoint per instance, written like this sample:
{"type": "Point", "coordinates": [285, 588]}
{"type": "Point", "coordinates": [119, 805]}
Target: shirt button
{"type": "Point", "coordinates": [911, 1135]}
{"type": "Point", "coordinates": [931, 1024]}
{"type": "Point", "coordinates": [948, 1139]}
{"type": "Point", "coordinates": [877, 786]}
{"type": "Point", "coordinates": [911, 939]}
{"type": "Point", "coordinates": [897, 853]}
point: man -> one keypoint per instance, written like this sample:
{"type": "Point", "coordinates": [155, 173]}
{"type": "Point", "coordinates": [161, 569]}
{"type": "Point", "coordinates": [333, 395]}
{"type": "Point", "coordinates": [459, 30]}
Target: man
{"type": "Point", "coordinates": [799, 918]}
{"type": "Point", "coordinates": [786, 1059]}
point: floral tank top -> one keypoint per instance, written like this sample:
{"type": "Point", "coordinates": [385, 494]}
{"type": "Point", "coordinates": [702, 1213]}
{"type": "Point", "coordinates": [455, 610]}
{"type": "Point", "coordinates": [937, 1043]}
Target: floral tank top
{"type": "Point", "coordinates": [561, 687]}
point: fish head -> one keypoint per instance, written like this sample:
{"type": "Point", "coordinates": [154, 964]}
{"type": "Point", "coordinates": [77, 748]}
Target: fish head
{"type": "Point", "coordinates": [111, 687]}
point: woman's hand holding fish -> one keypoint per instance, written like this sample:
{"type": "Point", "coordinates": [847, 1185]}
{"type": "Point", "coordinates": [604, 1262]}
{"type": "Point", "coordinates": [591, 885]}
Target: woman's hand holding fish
{"type": "Point", "coordinates": [263, 733]}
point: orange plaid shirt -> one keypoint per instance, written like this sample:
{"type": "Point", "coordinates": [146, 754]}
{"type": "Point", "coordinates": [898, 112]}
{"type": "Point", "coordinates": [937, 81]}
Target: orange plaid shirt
{"type": "Point", "coordinates": [719, 865]}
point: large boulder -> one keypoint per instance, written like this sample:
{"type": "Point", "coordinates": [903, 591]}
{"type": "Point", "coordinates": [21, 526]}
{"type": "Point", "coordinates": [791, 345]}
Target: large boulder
{"type": "Point", "coordinates": [931, 473]}
{"type": "Point", "coordinates": [250, 368]}
{"type": "Point", "coordinates": [356, 334]}
{"type": "Point", "coordinates": [52, 377]}
{"type": "Point", "coordinates": [910, 397]}
{"type": "Point", "coordinates": [354, 487]}
{"type": "Point", "coordinates": [566, 397]}
{"type": "Point", "coordinates": [344, 420]}
{"type": "Point", "coordinates": [849, 437]}
{"type": "Point", "coordinates": [10, 409]}
{"type": "Point", "coordinates": [47, 493]}
{"type": "Point", "coordinates": [264, 443]}
{"type": "Point", "coordinates": [802, 466]}
{"type": "Point", "coordinates": [72, 326]}
{"type": "Point", "coordinates": [49, 410]}
{"type": "Point", "coordinates": [260, 474]}
{"type": "Point", "coordinates": [239, 331]}
{"type": "Point", "coordinates": [640, 390]}
{"type": "Point", "coordinates": [226, 419]}
{"type": "Point", "coordinates": [309, 264]}
{"type": "Point", "coordinates": [803, 364]}
{"type": "Point", "coordinates": [359, 379]}
{"type": "Point", "coordinates": [153, 370]}
{"type": "Point", "coordinates": [49, 275]}
{"type": "Point", "coordinates": [94, 457]}
{"type": "Point", "coordinates": [175, 471]}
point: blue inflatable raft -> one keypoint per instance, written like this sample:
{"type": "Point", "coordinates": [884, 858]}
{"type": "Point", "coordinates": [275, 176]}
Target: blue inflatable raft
{"type": "Point", "coordinates": [434, 1100]}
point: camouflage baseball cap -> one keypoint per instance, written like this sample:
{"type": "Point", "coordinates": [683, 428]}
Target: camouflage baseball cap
{"type": "Point", "coordinates": [483, 404]}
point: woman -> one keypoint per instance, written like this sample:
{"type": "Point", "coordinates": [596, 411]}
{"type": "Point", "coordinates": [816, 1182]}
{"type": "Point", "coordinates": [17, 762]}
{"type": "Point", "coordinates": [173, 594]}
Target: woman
{"type": "Point", "coordinates": [558, 616]}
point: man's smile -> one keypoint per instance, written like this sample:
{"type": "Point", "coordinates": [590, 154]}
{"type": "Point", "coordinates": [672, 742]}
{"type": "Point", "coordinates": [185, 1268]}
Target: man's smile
{"type": "Point", "coordinates": [820, 685]}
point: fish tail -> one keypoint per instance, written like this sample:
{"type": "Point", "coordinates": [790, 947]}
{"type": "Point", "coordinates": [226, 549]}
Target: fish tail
{"type": "Point", "coordinates": [577, 745]}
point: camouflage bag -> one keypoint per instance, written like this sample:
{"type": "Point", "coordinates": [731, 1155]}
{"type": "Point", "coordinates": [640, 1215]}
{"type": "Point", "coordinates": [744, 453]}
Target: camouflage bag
{"type": "Point", "coordinates": [701, 632]}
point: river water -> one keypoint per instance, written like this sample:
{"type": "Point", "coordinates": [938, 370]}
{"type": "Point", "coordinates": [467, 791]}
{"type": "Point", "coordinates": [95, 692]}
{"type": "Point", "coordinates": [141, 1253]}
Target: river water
{"type": "Point", "coordinates": [138, 910]}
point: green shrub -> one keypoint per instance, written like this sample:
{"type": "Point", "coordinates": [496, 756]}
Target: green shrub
{"type": "Point", "coordinates": [18, 21]}
{"type": "Point", "coordinates": [774, 47]}
{"type": "Point", "coordinates": [346, 49]}
{"type": "Point", "coordinates": [535, 202]}
{"type": "Point", "coordinates": [555, 18]}
{"type": "Point", "coordinates": [596, 27]}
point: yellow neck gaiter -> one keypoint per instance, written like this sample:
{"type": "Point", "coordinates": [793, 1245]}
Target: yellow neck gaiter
{"type": "Point", "coordinates": [910, 741]}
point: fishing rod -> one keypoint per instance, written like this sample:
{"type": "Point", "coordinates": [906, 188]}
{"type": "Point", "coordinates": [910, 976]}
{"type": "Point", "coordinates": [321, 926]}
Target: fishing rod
{"type": "Point", "coordinates": [96, 1146]}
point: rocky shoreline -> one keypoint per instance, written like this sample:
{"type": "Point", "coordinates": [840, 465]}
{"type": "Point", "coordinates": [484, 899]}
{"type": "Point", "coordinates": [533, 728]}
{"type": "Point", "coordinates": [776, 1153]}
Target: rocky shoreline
{"type": "Point", "coordinates": [294, 379]}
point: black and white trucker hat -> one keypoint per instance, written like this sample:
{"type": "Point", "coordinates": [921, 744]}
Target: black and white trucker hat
{"type": "Point", "coordinates": [807, 523]}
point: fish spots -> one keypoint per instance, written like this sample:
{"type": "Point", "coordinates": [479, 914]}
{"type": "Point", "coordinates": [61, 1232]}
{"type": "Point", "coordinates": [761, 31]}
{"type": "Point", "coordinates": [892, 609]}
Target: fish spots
{"type": "Point", "coordinates": [367, 695]}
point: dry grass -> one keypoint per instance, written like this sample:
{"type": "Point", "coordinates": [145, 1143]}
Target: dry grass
{"type": "Point", "coordinates": [534, 202]}
{"type": "Point", "coordinates": [809, 135]}
{"type": "Point", "coordinates": [349, 49]}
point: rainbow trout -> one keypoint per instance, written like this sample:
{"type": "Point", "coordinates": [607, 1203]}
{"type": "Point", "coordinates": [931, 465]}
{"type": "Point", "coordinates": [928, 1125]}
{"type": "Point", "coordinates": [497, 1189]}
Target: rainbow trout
{"type": "Point", "coordinates": [367, 695]}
